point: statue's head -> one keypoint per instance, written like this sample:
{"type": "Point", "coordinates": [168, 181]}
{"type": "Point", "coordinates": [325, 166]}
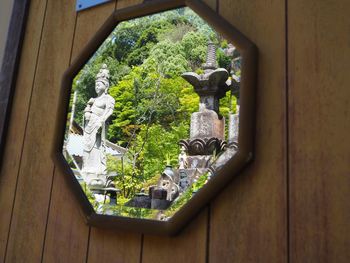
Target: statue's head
{"type": "Point", "coordinates": [101, 86]}
{"type": "Point", "coordinates": [102, 80]}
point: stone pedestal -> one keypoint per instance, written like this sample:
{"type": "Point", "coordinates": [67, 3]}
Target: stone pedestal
{"type": "Point", "coordinates": [207, 124]}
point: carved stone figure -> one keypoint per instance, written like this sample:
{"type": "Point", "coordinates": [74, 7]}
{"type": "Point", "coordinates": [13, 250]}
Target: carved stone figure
{"type": "Point", "coordinates": [183, 159]}
{"type": "Point", "coordinates": [96, 113]}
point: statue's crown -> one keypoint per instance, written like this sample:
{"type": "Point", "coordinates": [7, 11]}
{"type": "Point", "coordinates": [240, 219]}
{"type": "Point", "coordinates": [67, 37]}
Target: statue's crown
{"type": "Point", "coordinates": [103, 75]}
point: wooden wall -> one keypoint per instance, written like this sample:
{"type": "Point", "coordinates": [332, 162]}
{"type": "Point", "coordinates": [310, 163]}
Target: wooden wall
{"type": "Point", "coordinates": [5, 13]}
{"type": "Point", "coordinates": [291, 205]}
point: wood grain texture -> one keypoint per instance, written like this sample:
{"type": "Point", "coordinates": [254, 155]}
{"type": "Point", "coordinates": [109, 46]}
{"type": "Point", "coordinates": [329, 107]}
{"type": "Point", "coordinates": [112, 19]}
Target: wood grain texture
{"type": "Point", "coordinates": [126, 3]}
{"type": "Point", "coordinates": [5, 16]}
{"type": "Point", "coordinates": [36, 171]}
{"type": "Point", "coordinates": [67, 234]}
{"type": "Point", "coordinates": [190, 245]}
{"type": "Point", "coordinates": [211, 3]}
{"type": "Point", "coordinates": [89, 21]}
{"type": "Point", "coordinates": [9, 64]}
{"type": "Point", "coordinates": [248, 220]}
{"type": "Point", "coordinates": [115, 246]}
{"type": "Point", "coordinates": [319, 121]}
{"type": "Point", "coordinates": [17, 125]}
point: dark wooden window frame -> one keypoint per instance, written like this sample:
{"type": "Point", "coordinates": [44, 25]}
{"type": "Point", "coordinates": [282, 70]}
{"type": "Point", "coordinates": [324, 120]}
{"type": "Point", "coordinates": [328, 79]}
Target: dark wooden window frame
{"type": "Point", "coordinates": [10, 64]}
{"type": "Point", "coordinates": [244, 155]}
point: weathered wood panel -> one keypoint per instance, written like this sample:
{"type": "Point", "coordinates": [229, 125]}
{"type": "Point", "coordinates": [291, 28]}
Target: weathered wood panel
{"type": "Point", "coordinates": [319, 125]}
{"type": "Point", "coordinates": [5, 15]}
{"type": "Point", "coordinates": [10, 61]}
{"type": "Point", "coordinates": [106, 245]}
{"type": "Point", "coordinates": [211, 3]}
{"type": "Point", "coordinates": [248, 220]}
{"type": "Point", "coordinates": [18, 123]}
{"type": "Point", "coordinates": [190, 245]}
{"type": "Point", "coordinates": [31, 204]}
{"type": "Point", "coordinates": [67, 234]}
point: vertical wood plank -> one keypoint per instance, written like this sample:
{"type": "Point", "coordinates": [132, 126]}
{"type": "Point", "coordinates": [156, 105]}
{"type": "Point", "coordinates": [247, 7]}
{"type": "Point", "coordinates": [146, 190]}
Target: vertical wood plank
{"type": "Point", "coordinates": [109, 246]}
{"type": "Point", "coordinates": [5, 18]}
{"type": "Point", "coordinates": [36, 171]}
{"type": "Point", "coordinates": [10, 62]}
{"type": "Point", "coordinates": [67, 234]}
{"type": "Point", "coordinates": [88, 22]}
{"type": "Point", "coordinates": [248, 220]}
{"type": "Point", "coordinates": [319, 114]}
{"type": "Point", "coordinates": [190, 245]}
{"type": "Point", "coordinates": [114, 246]}
{"type": "Point", "coordinates": [19, 115]}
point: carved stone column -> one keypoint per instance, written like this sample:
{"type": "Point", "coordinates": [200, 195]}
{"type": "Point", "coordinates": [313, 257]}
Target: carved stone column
{"type": "Point", "coordinates": [207, 133]}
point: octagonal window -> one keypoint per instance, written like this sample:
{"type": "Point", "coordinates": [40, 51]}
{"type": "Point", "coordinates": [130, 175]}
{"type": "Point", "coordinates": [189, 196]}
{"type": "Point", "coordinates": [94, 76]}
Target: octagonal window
{"type": "Point", "coordinates": [153, 115]}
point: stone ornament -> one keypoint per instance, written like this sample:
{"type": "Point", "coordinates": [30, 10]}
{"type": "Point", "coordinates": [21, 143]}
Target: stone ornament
{"type": "Point", "coordinates": [207, 131]}
{"type": "Point", "coordinates": [97, 111]}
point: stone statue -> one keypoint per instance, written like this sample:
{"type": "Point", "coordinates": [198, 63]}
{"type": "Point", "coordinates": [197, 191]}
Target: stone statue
{"type": "Point", "coordinates": [183, 159]}
{"type": "Point", "coordinates": [96, 113]}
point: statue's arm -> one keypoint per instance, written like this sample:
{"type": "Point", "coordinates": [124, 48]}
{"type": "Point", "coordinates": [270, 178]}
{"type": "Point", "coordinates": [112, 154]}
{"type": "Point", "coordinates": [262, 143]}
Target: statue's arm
{"type": "Point", "coordinates": [109, 109]}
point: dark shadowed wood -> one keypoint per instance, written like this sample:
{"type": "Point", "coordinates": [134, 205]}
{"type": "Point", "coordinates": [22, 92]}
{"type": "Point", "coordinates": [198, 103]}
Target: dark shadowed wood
{"type": "Point", "coordinates": [211, 3]}
{"type": "Point", "coordinates": [17, 124]}
{"type": "Point", "coordinates": [126, 3]}
{"type": "Point", "coordinates": [9, 66]}
{"type": "Point", "coordinates": [319, 121]}
{"type": "Point", "coordinates": [67, 234]}
{"type": "Point", "coordinates": [248, 220]}
{"type": "Point", "coordinates": [106, 245]}
{"type": "Point", "coordinates": [36, 171]}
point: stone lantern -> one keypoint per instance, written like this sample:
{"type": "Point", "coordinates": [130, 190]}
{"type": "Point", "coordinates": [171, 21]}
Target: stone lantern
{"type": "Point", "coordinates": [207, 133]}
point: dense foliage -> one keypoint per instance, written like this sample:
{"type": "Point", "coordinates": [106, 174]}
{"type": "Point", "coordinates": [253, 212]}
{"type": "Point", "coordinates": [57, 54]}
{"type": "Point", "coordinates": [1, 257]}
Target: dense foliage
{"type": "Point", "coordinates": [146, 57]}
